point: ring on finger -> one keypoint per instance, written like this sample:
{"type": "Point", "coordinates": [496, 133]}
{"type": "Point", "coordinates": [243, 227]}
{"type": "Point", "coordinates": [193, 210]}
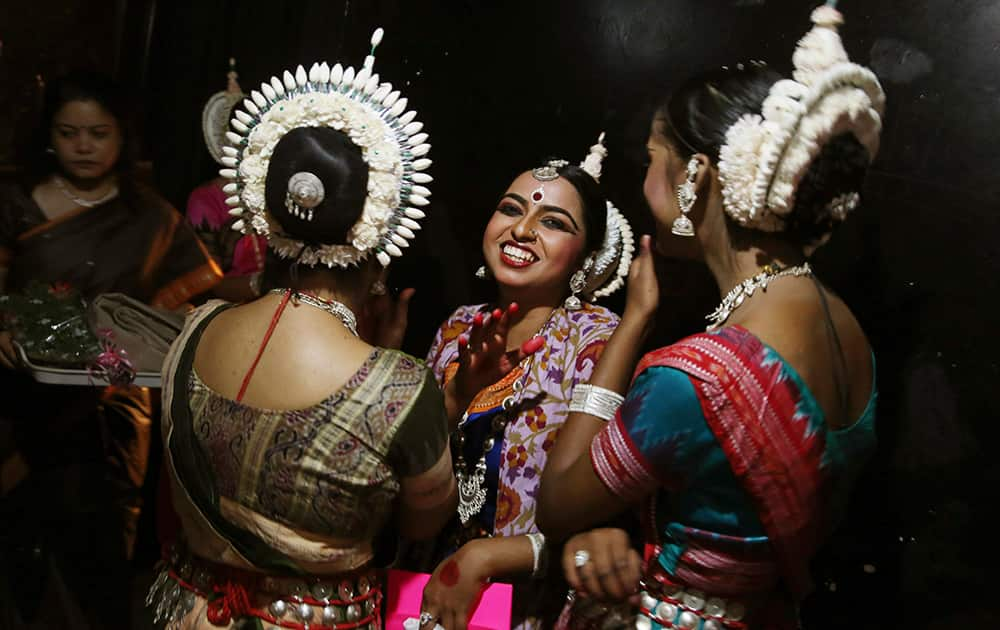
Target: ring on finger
{"type": "Point", "coordinates": [581, 558]}
{"type": "Point", "coordinates": [425, 618]}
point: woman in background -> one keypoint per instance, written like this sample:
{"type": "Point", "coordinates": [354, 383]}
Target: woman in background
{"type": "Point", "coordinates": [75, 457]}
{"type": "Point", "coordinates": [241, 257]}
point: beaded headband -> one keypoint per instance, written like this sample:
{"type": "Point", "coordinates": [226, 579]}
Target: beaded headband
{"type": "Point", "coordinates": [765, 156]}
{"type": "Point", "coordinates": [372, 115]}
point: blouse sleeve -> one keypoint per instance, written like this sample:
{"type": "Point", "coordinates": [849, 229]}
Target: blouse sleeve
{"type": "Point", "coordinates": [185, 269]}
{"type": "Point", "coordinates": [423, 436]}
{"type": "Point", "coordinates": [650, 443]}
{"type": "Point", "coordinates": [442, 352]}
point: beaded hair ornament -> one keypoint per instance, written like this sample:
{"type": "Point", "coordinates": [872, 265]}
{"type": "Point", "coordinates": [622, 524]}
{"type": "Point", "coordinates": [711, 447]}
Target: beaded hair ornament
{"type": "Point", "coordinates": [372, 115]}
{"type": "Point", "coordinates": [765, 156]}
{"type": "Point", "coordinates": [607, 268]}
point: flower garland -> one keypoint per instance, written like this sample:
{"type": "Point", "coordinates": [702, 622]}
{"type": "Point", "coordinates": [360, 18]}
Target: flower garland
{"type": "Point", "coordinates": [765, 156]}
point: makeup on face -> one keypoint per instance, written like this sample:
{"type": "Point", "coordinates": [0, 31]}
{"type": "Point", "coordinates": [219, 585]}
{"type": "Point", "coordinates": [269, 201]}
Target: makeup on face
{"type": "Point", "coordinates": [533, 243]}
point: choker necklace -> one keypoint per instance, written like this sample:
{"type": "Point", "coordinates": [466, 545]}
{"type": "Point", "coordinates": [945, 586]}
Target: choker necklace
{"type": "Point", "coordinates": [333, 307]}
{"type": "Point", "coordinates": [745, 289]}
{"type": "Point", "coordinates": [80, 201]}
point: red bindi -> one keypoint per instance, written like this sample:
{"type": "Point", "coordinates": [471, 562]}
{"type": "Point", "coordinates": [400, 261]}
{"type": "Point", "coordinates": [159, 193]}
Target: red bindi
{"type": "Point", "coordinates": [537, 196]}
{"type": "Point", "coordinates": [450, 573]}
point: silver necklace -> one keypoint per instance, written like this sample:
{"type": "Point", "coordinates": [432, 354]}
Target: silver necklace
{"type": "Point", "coordinates": [80, 201]}
{"type": "Point", "coordinates": [333, 307]}
{"type": "Point", "coordinates": [735, 298]}
{"type": "Point", "coordinates": [472, 482]}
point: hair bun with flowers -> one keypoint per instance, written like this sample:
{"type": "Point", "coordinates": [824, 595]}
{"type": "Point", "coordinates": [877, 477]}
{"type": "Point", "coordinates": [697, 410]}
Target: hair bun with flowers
{"type": "Point", "coordinates": [766, 155]}
{"type": "Point", "coordinates": [374, 117]}
{"type": "Point", "coordinates": [612, 261]}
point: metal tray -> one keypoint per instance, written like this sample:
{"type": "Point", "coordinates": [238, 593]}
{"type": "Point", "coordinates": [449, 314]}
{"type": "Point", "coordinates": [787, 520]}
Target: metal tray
{"type": "Point", "coordinates": [63, 376]}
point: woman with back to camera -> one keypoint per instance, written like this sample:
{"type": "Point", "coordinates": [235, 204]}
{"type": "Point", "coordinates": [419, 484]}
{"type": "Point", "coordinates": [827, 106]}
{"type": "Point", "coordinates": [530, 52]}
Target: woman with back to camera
{"type": "Point", "coordinates": [741, 444]}
{"type": "Point", "coordinates": [552, 247]}
{"type": "Point", "coordinates": [75, 465]}
{"type": "Point", "coordinates": [290, 442]}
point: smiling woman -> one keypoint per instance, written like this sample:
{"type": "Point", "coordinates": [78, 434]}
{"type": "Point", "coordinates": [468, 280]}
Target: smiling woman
{"type": "Point", "coordinates": [552, 245]}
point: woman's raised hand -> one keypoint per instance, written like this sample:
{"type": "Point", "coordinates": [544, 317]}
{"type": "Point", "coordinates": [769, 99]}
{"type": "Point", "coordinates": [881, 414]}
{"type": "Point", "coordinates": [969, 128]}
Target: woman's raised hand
{"type": "Point", "coordinates": [483, 358]}
{"type": "Point", "coordinates": [386, 319]}
{"type": "Point", "coordinates": [643, 292]}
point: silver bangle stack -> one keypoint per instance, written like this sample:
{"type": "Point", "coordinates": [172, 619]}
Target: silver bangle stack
{"type": "Point", "coordinates": [596, 401]}
{"type": "Point", "coordinates": [537, 541]}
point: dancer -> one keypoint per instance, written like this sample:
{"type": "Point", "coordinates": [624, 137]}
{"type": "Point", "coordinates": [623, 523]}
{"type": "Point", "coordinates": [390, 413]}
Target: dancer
{"type": "Point", "coordinates": [741, 443]}
{"type": "Point", "coordinates": [290, 442]}
{"type": "Point", "coordinates": [552, 246]}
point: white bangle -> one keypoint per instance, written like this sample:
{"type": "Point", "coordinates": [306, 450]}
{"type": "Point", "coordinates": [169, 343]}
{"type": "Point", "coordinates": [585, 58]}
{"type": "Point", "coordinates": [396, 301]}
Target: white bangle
{"type": "Point", "coordinates": [537, 541]}
{"type": "Point", "coordinates": [596, 401]}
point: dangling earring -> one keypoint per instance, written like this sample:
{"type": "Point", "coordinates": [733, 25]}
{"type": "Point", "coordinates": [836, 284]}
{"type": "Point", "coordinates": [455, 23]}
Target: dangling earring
{"type": "Point", "coordinates": [686, 196]}
{"type": "Point", "coordinates": [481, 273]}
{"type": "Point", "coordinates": [577, 283]}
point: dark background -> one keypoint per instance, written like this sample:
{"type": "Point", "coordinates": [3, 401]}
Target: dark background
{"type": "Point", "coordinates": [502, 85]}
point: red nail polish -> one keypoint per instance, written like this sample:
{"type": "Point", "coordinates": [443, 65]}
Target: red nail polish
{"type": "Point", "coordinates": [497, 313]}
{"type": "Point", "coordinates": [463, 340]}
{"type": "Point", "coordinates": [533, 345]}
{"type": "Point", "coordinates": [513, 308]}
{"type": "Point", "coordinates": [477, 320]}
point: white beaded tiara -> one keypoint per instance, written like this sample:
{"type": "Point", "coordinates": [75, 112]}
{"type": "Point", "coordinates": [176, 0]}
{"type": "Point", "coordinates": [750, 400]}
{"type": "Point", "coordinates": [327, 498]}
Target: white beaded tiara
{"type": "Point", "coordinates": [766, 155]}
{"type": "Point", "coordinates": [374, 117]}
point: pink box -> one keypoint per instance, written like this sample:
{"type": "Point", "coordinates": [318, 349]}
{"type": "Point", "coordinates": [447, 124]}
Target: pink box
{"type": "Point", "coordinates": [406, 591]}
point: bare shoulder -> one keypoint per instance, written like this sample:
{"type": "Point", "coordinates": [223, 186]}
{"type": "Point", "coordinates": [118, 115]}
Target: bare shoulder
{"type": "Point", "coordinates": [308, 357]}
{"type": "Point", "coordinates": [818, 335]}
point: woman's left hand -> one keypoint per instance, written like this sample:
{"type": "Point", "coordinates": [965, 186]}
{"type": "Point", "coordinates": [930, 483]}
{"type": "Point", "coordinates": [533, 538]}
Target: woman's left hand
{"type": "Point", "coordinates": [643, 290]}
{"type": "Point", "coordinates": [453, 592]}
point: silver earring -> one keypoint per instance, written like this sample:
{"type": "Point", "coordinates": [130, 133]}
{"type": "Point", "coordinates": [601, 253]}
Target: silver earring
{"type": "Point", "coordinates": [50, 151]}
{"type": "Point", "coordinates": [481, 273]}
{"type": "Point", "coordinates": [378, 288]}
{"type": "Point", "coordinates": [686, 196]}
{"type": "Point", "coordinates": [577, 283]}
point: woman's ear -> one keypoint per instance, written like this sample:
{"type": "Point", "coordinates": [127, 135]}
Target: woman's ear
{"type": "Point", "coordinates": [705, 170]}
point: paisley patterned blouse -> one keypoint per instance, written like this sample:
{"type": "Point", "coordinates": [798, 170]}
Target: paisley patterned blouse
{"type": "Point", "coordinates": [330, 471]}
{"type": "Point", "coordinates": [574, 341]}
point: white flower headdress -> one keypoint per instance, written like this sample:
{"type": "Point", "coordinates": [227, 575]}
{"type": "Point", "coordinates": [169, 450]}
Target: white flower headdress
{"type": "Point", "coordinates": [372, 115]}
{"type": "Point", "coordinates": [765, 156]}
{"type": "Point", "coordinates": [215, 114]}
{"type": "Point", "coordinates": [612, 261]}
